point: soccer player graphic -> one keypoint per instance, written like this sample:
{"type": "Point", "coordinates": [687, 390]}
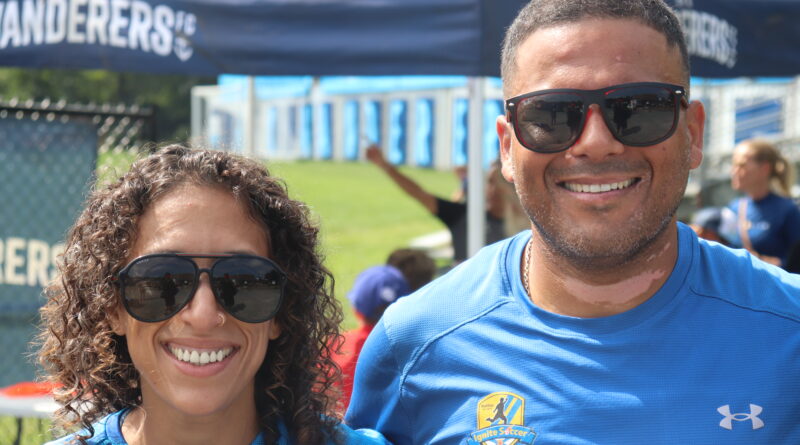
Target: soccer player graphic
{"type": "Point", "coordinates": [499, 412]}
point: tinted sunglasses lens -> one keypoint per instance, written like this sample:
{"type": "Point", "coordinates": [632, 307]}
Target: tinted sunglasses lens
{"type": "Point", "coordinates": [641, 116]}
{"type": "Point", "coordinates": [549, 122]}
{"type": "Point", "coordinates": [250, 289]}
{"type": "Point", "coordinates": [156, 288]}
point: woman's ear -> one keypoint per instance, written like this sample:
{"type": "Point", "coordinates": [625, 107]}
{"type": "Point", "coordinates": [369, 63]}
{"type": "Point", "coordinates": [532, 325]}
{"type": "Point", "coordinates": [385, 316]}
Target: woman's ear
{"type": "Point", "coordinates": [118, 319]}
{"type": "Point", "coordinates": [274, 329]}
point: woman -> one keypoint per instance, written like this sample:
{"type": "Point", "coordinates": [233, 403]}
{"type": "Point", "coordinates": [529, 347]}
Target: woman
{"type": "Point", "coordinates": [762, 221]}
{"type": "Point", "coordinates": [193, 307]}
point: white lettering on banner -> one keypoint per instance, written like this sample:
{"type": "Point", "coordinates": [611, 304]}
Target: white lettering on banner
{"type": "Point", "coordinates": [97, 17]}
{"type": "Point", "coordinates": [131, 24]}
{"type": "Point", "coordinates": [13, 260]}
{"type": "Point", "coordinates": [56, 24]}
{"type": "Point", "coordinates": [162, 38]}
{"type": "Point", "coordinates": [141, 22]}
{"type": "Point", "coordinates": [118, 21]}
{"type": "Point", "coordinates": [28, 262]}
{"type": "Point", "coordinates": [38, 262]}
{"type": "Point", "coordinates": [11, 27]}
{"type": "Point", "coordinates": [709, 36]}
{"type": "Point", "coordinates": [74, 35]}
{"type": "Point", "coordinates": [33, 22]}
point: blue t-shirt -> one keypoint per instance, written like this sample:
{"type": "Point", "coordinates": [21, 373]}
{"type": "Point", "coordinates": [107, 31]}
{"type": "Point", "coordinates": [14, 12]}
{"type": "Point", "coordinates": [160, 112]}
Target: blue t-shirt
{"type": "Point", "coordinates": [107, 431]}
{"type": "Point", "coordinates": [712, 358]}
{"type": "Point", "coordinates": [774, 225]}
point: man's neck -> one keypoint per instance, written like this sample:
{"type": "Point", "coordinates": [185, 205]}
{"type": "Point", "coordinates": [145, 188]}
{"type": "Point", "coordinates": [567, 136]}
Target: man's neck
{"type": "Point", "coordinates": [560, 286]}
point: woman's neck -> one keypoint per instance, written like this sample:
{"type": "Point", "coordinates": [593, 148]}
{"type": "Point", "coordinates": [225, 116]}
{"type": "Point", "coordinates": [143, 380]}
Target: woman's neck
{"type": "Point", "coordinates": [758, 193]}
{"type": "Point", "coordinates": [231, 428]}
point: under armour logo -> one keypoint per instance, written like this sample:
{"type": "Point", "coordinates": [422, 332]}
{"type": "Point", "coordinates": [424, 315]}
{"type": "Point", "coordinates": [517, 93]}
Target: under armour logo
{"type": "Point", "coordinates": [752, 416]}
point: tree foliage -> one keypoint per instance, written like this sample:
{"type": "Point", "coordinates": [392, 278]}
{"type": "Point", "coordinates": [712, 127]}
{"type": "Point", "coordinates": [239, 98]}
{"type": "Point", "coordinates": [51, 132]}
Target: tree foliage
{"type": "Point", "coordinates": [169, 94]}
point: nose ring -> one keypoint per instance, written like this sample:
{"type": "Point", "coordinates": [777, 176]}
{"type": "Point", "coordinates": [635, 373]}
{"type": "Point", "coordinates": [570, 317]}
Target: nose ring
{"type": "Point", "coordinates": [221, 319]}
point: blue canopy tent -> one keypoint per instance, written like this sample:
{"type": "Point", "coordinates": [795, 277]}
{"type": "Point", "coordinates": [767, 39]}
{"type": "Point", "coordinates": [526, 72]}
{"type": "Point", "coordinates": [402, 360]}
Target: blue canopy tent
{"type": "Point", "coordinates": [727, 38]}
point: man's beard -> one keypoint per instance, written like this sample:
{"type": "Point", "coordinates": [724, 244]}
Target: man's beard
{"type": "Point", "coordinates": [614, 247]}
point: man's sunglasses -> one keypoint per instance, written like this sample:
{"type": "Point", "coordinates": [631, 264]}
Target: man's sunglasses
{"type": "Point", "coordinates": [156, 287]}
{"type": "Point", "coordinates": [637, 114]}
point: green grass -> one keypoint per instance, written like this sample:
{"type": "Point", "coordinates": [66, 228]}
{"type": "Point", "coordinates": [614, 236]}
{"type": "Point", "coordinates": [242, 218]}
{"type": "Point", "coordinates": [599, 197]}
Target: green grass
{"type": "Point", "coordinates": [34, 431]}
{"type": "Point", "coordinates": [113, 164]}
{"type": "Point", "coordinates": [362, 214]}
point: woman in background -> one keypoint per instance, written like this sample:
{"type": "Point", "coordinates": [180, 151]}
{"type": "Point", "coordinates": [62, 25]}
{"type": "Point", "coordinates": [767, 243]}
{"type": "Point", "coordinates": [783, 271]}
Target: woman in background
{"type": "Point", "coordinates": [764, 221]}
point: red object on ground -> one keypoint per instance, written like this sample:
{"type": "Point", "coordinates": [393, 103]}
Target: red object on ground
{"type": "Point", "coordinates": [28, 389]}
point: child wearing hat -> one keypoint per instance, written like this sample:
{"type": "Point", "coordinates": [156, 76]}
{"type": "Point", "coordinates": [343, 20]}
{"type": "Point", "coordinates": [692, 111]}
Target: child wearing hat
{"type": "Point", "coordinates": [373, 291]}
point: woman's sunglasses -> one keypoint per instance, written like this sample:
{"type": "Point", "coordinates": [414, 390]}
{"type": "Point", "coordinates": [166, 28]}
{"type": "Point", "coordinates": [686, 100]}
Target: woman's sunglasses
{"type": "Point", "coordinates": [156, 287]}
{"type": "Point", "coordinates": [637, 114]}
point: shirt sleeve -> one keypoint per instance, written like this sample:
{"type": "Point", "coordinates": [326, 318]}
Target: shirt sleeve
{"type": "Point", "coordinates": [361, 437]}
{"type": "Point", "coordinates": [376, 400]}
{"type": "Point", "coordinates": [450, 212]}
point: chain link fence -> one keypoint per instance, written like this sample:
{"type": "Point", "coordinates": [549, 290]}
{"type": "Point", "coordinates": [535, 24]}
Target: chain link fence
{"type": "Point", "coordinates": [50, 155]}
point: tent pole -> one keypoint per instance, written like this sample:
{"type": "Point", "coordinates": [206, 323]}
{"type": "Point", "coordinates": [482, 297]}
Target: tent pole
{"type": "Point", "coordinates": [476, 221]}
{"type": "Point", "coordinates": [250, 118]}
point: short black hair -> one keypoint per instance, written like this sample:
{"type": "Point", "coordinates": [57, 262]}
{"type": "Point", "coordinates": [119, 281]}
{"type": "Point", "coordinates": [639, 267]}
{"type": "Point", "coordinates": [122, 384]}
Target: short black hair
{"type": "Point", "coordinates": [539, 14]}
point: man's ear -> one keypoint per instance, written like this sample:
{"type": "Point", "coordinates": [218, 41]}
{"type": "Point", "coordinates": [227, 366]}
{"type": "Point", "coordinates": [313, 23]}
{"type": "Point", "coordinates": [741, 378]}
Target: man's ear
{"type": "Point", "coordinates": [506, 134]}
{"type": "Point", "coordinates": [696, 122]}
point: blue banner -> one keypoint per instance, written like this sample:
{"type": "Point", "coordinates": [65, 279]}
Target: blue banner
{"type": "Point", "coordinates": [46, 168]}
{"type": "Point", "coordinates": [731, 38]}
{"type": "Point", "coordinates": [727, 38]}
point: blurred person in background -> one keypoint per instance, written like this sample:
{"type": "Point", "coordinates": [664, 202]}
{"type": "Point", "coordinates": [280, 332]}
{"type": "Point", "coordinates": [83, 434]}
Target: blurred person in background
{"type": "Point", "coordinates": [706, 223]}
{"type": "Point", "coordinates": [460, 194]}
{"type": "Point", "coordinates": [514, 218]}
{"type": "Point", "coordinates": [793, 260]}
{"type": "Point", "coordinates": [416, 266]}
{"type": "Point", "coordinates": [452, 214]}
{"type": "Point", "coordinates": [765, 221]}
{"type": "Point", "coordinates": [193, 307]}
{"type": "Point", "coordinates": [373, 291]}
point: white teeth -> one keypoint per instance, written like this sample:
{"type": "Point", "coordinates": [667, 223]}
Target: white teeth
{"type": "Point", "coordinates": [200, 358]}
{"type": "Point", "coordinates": [597, 188]}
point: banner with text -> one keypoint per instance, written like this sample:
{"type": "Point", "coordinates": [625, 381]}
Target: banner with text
{"type": "Point", "coordinates": [46, 168]}
{"type": "Point", "coordinates": [727, 38]}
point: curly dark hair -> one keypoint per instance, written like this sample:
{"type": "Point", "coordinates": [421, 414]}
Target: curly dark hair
{"type": "Point", "coordinates": [81, 353]}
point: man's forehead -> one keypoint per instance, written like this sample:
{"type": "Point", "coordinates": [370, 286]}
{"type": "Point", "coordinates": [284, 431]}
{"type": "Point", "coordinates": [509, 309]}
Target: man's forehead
{"type": "Point", "coordinates": [558, 56]}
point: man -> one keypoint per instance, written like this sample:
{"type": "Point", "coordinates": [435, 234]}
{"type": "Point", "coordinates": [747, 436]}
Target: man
{"type": "Point", "coordinates": [609, 322]}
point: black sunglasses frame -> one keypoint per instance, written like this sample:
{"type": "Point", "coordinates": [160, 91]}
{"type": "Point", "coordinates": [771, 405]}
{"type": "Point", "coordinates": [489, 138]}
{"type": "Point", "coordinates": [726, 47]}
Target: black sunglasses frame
{"type": "Point", "coordinates": [122, 277]}
{"type": "Point", "coordinates": [590, 97]}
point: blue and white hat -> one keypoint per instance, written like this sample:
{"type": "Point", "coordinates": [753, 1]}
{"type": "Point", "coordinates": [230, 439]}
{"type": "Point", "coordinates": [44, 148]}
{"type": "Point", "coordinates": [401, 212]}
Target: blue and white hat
{"type": "Point", "coordinates": [376, 287]}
